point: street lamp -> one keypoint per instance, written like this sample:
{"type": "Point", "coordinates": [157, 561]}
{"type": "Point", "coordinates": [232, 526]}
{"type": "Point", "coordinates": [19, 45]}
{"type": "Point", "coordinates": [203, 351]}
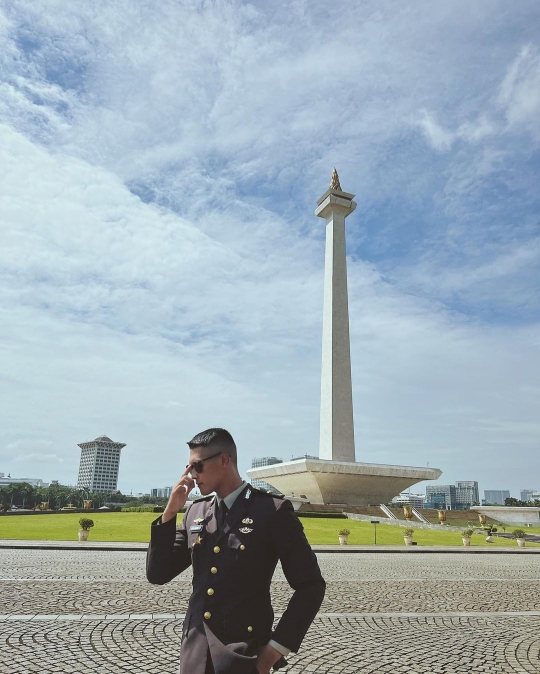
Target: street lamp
{"type": "Point", "coordinates": [375, 522]}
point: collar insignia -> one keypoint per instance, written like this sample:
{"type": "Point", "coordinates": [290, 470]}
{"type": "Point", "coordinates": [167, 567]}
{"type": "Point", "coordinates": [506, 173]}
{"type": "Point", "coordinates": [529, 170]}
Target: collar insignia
{"type": "Point", "coordinates": [248, 494]}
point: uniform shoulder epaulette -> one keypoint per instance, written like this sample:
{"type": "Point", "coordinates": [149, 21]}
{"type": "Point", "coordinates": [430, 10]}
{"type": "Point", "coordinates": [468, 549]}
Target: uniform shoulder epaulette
{"type": "Point", "coordinates": [204, 498]}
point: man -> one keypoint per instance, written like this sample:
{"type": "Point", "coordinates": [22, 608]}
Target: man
{"type": "Point", "coordinates": [234, 541]}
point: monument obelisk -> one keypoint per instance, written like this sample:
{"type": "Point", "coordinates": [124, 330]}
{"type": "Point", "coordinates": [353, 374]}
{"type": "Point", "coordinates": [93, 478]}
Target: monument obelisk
{"type": "Point", "coordinates": [336, 477]}
{"type": "Point", "coordinates": [336, 418]}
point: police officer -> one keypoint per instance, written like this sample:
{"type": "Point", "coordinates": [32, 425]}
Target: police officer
{"type": "Point", "coordinates": [233, 540]}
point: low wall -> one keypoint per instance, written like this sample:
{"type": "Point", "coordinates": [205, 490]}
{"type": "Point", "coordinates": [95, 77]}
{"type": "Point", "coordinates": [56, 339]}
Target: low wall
{"type": "Point", "coordinates": [511, 514]}
{"type": "Point", "coordinates": [413, 524]}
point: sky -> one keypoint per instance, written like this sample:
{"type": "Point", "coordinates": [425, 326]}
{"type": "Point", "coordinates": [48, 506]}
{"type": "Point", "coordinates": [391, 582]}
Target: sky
{"type": "Point", "coordinates": [161, 268]}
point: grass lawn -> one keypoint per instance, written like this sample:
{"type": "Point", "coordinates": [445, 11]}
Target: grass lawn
{"type": "Point", "coordinates": [136, 527]}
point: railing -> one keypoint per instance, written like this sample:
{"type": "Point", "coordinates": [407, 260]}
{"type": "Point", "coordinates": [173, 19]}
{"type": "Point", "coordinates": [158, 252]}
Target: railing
{"type": "Point", "coordinates": [420, 517]}
{"type": "Point", "coordinates": [387, 512]}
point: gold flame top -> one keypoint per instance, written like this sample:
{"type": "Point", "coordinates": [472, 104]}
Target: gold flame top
{"type": "Point", "coordinates": [334, 182]}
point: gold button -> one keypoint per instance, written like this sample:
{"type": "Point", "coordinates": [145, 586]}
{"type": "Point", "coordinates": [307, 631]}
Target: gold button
{"type": "Point", "coordinates": [242, 547]}
{"type": "Point", "coordinates": [213, 570]}
{"type": "Point", "coordinates": [207, 615]}
{"type": "Point", "coordinates": [216, 549]}
{"type": "Point", "coordinates": [210, 591]}
{"type": "Point", "coordinates": [250, 629]}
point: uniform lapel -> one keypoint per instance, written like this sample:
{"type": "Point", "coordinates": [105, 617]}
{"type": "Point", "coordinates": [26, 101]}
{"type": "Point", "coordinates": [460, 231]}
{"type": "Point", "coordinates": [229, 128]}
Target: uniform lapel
{"type": "Point", "coordinates": [237, 512]}
{"type": "Point", "coordinates": [211, 526]}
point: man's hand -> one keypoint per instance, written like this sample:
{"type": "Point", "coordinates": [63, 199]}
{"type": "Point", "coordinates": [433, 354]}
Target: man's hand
{"type": "Point", "coordinates": [266, 658]}
{"type": "Point", "coordinates": [178, 497]}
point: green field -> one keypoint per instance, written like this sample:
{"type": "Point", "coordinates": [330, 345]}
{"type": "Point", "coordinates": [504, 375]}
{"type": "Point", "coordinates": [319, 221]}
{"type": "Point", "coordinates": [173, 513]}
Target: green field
{"type": "Point", "coordinates": [136, 527]}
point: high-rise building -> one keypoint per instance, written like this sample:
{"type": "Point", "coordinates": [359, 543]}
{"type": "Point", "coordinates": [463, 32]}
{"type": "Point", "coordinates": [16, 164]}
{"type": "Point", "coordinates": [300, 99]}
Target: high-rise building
{"type": "Point", "coordinates": [467, 493]}
{"type": "Point", "coordinates": [441, 497]}
{"type": "Point", "coordinates": [259, 463]}
{"type": "Point", "coordinates": [527, 494]}
{"type": "Point", "coordinates": [100, 461]}
{"type": "Point", "coordinates": [161, 492]}
{"type": "Point", "coordinates": [497, 496]}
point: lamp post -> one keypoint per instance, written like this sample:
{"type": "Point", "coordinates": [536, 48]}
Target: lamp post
{"type": "Point", "coordinates": [375, 522]}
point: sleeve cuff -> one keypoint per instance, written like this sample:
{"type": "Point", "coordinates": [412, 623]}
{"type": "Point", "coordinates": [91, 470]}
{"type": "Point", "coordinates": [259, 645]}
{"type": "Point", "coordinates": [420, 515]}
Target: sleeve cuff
{"type": "Point", "coordinates": [279, 648]}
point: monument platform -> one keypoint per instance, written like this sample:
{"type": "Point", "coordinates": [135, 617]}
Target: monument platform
{"type": "Point", "coordinates": [342, 482]}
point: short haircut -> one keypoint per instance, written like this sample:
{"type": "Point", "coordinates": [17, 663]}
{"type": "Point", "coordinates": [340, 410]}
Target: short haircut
{"type": "Point", "coordinates": [215, 438]}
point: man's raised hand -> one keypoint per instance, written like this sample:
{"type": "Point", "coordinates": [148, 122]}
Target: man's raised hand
{"type": "Point", "coordinates": [179, 495]}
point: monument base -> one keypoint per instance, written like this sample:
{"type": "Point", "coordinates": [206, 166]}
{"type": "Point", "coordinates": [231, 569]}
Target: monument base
{"type": "Point", "coordinates": [341, 482]}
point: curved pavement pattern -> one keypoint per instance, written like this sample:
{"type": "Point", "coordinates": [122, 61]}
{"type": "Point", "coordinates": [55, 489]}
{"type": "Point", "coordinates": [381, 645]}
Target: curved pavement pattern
{"type": "Point", "coordinates": [93, 611]}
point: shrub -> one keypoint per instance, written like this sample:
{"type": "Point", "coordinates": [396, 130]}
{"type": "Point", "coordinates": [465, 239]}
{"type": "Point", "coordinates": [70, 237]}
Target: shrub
{"type": "Point", "coordinates": [467, 533]}
{"type": "Point", "coordinates": [344, 532]}
{"type": "Point", "coordinates": [408, 532]}
{"type": "Point", "coordinates": [518, 533]}
{"type": "Point", "coordinates": [86, 523]}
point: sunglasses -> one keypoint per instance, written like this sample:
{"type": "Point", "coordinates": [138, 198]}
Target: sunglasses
{"type": "Point", "coordinates": [198, 466]}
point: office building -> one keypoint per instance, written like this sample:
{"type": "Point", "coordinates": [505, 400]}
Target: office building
{"type": "Point", "coordinates": [414, 500]}
{"type": "Point", "coordinates": [467, 494]}
{"type": "Point", "coordinates": [161, 492]}
{"type": "Point", "coordinates": [259, 463]}
{"type": "Point", "coordinates": [529, 495]}
{"type": "Point", "coordinates": [440, 497]}
{"type": "Point", "coordinates": [34, 481]}
{"type": "Point", "coordinates": [496, 496]}
{"type": "Point", "coordinates": [99, 465]}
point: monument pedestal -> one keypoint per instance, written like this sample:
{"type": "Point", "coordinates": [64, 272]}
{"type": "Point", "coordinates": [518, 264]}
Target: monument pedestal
{"type": "Point", "coordinates": [352, 483]}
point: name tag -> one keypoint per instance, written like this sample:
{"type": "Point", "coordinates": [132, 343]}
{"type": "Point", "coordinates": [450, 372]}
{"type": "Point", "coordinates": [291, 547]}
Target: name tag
{"type": "Point", "coordinates": [194, 528]}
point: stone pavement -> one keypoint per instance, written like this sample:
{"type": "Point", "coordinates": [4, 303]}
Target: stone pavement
{"type": "Point", "coordinates": [93, 611]}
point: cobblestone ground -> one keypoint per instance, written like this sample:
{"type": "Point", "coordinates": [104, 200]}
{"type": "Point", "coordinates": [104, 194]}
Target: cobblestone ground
{"type": "Point", "coordinates": [91, 611]}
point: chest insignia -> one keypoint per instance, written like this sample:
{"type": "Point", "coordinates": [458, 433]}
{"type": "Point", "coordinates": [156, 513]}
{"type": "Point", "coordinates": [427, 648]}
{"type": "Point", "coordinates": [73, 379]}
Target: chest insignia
{"type": "Point", "coordinates": [248, 494]}
{"type": "Point", "coordinates": [199, 520]}
{"type": "Point", "coordinates": [195, 527]}
{"type": "Point", "coordinates": [245, 530]}
{"type": "Point", "coordinates": [246, 520]}
{"type": "Point", "coordinates": [198, 541]}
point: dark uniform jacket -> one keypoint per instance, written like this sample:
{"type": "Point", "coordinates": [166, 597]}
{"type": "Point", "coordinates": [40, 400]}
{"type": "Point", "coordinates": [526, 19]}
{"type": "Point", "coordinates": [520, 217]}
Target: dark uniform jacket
{"type": "Point", "coordinates": [229, 611]}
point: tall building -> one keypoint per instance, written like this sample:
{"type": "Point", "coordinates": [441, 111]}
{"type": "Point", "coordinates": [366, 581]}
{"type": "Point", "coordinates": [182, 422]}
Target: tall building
{"type": "Point", "coordinates": [441, 497]}
{"type": "Point", "coordinates": [528, 495]}
{"type": "Point", "coordinates": [467, 493]}
{"type": "Point", "coordinates": [161, 492]}
{"type": "Point", "coordinates": [259, 463]}
{"type": "Point", "coordinates": [497, 496]}
{"type": "Point", "coordinates": [100, 461]}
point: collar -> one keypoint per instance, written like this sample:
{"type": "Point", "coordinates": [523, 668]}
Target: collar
{"type": "Point", "coordinates": [231, 498]}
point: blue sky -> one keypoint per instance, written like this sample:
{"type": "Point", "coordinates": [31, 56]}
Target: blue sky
{"type": "Point", "coordinates": [162, 268]}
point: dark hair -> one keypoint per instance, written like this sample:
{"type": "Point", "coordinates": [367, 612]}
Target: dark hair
{"type": "Point", "coordinates": [215, 438]}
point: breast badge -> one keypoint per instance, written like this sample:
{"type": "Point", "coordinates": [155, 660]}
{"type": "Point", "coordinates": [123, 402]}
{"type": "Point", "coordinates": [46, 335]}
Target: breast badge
{"type": "Point", "coordinates": [245, 530]}
{"type": "Point", "coordinates": [246, 520]}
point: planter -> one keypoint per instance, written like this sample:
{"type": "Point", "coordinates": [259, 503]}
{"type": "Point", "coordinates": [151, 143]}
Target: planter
{"type": "Point", "coordinates": [83, 534]}
{"type": "Point", "coordinates": [489, 539]}
{"type": "Point", "coordinates": [466, 541]}
{"type": "Point", "coordinates": [408, 540]}
{"type": "Point", "coordinates": [343, 540]}
{"type": "Point", "coordinates": [521, 542]}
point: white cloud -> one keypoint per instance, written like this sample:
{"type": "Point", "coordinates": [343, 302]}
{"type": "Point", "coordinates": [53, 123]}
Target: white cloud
{"type": "Point", "coordinates": [161, 268]}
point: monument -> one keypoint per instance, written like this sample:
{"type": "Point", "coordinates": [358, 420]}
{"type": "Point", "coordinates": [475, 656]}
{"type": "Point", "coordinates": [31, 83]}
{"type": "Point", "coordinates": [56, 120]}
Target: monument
{"type": "Point", "coordinates": [336, 477]}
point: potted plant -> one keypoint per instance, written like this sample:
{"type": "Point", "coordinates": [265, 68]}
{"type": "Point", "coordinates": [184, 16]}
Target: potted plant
{"type": "Point", "coordinates": [407, 536]}
{"type": "Point", "coordinates": [86, 524]}
{"type": "Point", "coordinates": [490, 529]}
{"type": "Point", "coordinates": [343, 536]}
{"type": "Point", "coordinates": [519, 535]}
{"type": "Point", "coordinates": [466, 536]}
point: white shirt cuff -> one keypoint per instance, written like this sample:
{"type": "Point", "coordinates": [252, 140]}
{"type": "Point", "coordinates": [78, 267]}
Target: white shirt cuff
{"type": "Point", "coordinates": [281, 649]}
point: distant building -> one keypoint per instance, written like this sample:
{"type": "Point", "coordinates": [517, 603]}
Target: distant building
{"type": "Point", "coordinates": [415, 500]}
{"type": "Point", "coordinates": [99, 465]}
{"type": "Point", "coordinates": [441, 497]}
{"type": "Point", "coordinates": [34, 481]}
{"type": "Point", "coordinates": [467, 494]}
{"type": "Point", "coordinates": [161, 492]}
{"type": "Point", "coordinates": [529, 495]}
{"type": "Point", "coordinates": [496, 496]}
{"type": "Point", "coordinates": [260, 463]}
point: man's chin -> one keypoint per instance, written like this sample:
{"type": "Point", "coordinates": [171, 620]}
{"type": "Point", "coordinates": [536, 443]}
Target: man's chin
{"type": "Point", "coordinates": [204, 491]}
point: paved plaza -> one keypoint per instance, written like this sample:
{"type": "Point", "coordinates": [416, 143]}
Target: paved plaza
{"type": "Point", "coordinates": [93, 611]}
